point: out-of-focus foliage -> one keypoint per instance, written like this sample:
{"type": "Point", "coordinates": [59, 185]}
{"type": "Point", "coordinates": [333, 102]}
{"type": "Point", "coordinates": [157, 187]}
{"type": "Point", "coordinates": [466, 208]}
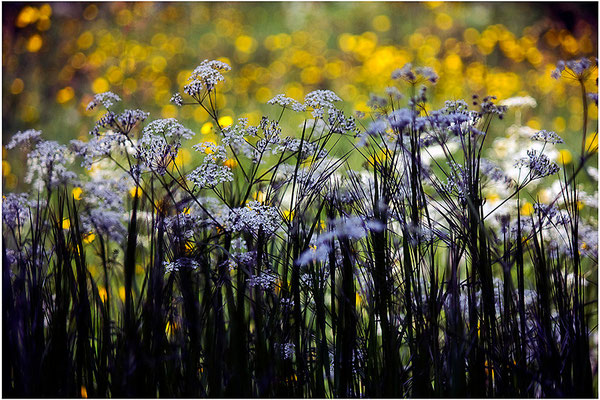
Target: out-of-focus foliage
{"type": "Point", "coordinates": [57, 55]}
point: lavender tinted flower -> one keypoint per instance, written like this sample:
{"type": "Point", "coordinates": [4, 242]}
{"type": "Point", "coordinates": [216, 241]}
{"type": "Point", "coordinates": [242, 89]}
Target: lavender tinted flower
{"type": "Point", "coordinates": [47, 165]}
{"type": "Point", "coordinates": [547, 137]}
{"type": "Point", "coordinates": [577, 69]}
{"type": "Point", "coordinates": [406, 73]}
{"type": "Point", "coordinates": [401, 118]}
{"type": "Point", "coordinates": [377, 127]}
{"type": "Point", "coordinates": [15, 209]}
{"type": "Point", "coordinates": [254, 217]}
{"type": "Point", "coordinates": [30, 136]}
{"type": "Point", "coordinates": [107, 99]}
{"type": "Point", "coordinates": [393, 92]}
{"type": "Point", "coordinates": [428, 73]}
{"type": "Point", "coordinates": [285, 350]}
{"type": "Point", "coordinates": [539, 165]}
{"type": "Point", "coordinates": [265, 281]}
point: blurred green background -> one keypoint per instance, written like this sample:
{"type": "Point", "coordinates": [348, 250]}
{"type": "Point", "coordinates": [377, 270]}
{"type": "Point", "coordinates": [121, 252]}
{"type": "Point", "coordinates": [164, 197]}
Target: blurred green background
{"type": "Point", "coordinates": [55, 56]}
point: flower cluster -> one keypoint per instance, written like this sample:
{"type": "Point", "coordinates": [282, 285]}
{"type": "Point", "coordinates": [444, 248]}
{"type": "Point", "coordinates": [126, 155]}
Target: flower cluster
{"type": "Point", "coordinates": [207, 75]}
{"type": "Point", "coordinates": [354, 227]}
{"type": "Point", "coordinates": [212, 171]}
{"type": "Point", "coordinates": [577, 68]}
{"type": "Point", "coordinates": [180, 263]}
{"type": "Point", "coordinates": [319, 101]}
{"type": "Point", "coordinates": [539, 165]}
{"type": "Point", "coordinates": [254, 217]}
{"type": "Point", "coordinates": [15, 209]}
{"type": "Point", "coordinates": [107, 99]}
{"type": "Point", "coordinates": [406, 73]}
{"type": "Point", "coordinates": [547, 137]}
{"type": "Point", "coordinates": [47, 165]}
{"type": "Point", "coordinates": [264, 280]}
{"type": "Point", "coordinates": [30, 136]}
{"type": "Point", "coordinates": [287, 102]}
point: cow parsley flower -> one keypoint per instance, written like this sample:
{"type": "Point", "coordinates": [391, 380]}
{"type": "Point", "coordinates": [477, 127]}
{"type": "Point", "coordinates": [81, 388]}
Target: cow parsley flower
{"type": "Point", "coordinates": [265, 281]}
{"type": "Point", "coordinates": [15, 209]}
{"type": "Point", "coordinates": [47, 165]}
{"type": "Point", "coordinates": [156, 153]}
{"type": "Point", "coordinates": [107, 99]}
{"type": "Point", "coordinates": [210, 174]}
{"type": "Point", "coordinates": [539, 165]}
{"type": "Point", "coordinates": [287, 102]}
{"type": "Point", "coordinates": [30, 136]}
{"type": "Point", "coordinates": [519, 101]}
{"type": "Point", "coordinates": [576, 69]}
{"type": "Point", "coordinates": [177, 99]}
{"type": "Point", "coordinates": [285, 350]}
{"type": "Point", "coordinates": [547, 137]}
{"type": "Point", "coordinates": [354, 227]}
{"type": "Point", "coordinates": [319, 101]}
{"type": "Point", "coordinates": [207, 75]}
{"type": "Point", "coordinates": [169, 127]}
{"type": "Point", "coordinates": [255, 216]}
{"type": "Point", "coordinates": [180, 263]}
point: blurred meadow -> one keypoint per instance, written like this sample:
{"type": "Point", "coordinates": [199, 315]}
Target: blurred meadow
{"type": "Point", "coordinates": [56, 56]}
{"type": "Point", "coordinates": [422, 222]}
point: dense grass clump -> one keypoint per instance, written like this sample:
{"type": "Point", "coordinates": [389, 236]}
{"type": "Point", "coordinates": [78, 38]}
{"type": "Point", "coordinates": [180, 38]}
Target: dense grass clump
{"type": "Point", "coordinates": [381, 257]}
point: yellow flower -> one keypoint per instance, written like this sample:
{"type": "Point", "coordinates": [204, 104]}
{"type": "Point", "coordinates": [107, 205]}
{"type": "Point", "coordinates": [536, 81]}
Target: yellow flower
{"type": "Point", "coordinates": [135, 191]}
{"type": "Point", "coordinates": [288, 215]}
{"type": "Point", "coordinates": [89, 237]}
{"type": "Point", "coordinates": [527, 208]}
{"type": "Point", "coordinates": [76, 193]}
{"type": "Point", "coordinates": [66, 223]}
{"type": "Point", "coordinates": [170, 328]}
{"type": "Point", "coordinates": [565, 156]}
{"type": "Point", "coordinates": [84, 394]}
{"type": "Point", "coordinates": [102, 293]}
{"type": "Point", "coordinates": [231, 163]}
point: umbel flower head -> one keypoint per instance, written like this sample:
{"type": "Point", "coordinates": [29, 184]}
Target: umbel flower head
{"type": "Point", "coordinates": [206, 75]}
{"type": "Point", "coordinates": [575, 69]}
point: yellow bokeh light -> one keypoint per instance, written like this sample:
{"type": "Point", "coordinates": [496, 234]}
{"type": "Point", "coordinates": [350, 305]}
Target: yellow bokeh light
{"type": "Point", "coordinates": [381, 23]}
{"type": "Point", "coordinates": [526, 208]}
{"type": "Point", "coordinates": [183, 157]}
{"type": "Point", "coordinates": [17, 86]}
{"type": "Point", "coordinates": [85, 40]}
{"type": "Point", "coordinates": [225, 121]}
{"type": "Point", "coordinates": [564, 156]}
{"type": "Point", "coordinates": [5, 168]}
{"type": "Point", "coordinates": [90, 12]}
{"type": "Point", "coordinates": [100, 85]}
{"type": "Point", "coordinates": [28, 15]}
{"type": "Point", "coordinates": [206, 128]}
{"type": "Point", "coordinates": [34, 44]}
{"type": "Point", "coordinates": [65, 94]}
{"type": "Point", "coordinates": [443, 21]}
{"type": "Point", "coordinates": [263, 95]}
{"type": "Point", "coordinates": [169, 111]}
{"type": "Point", "coordinates": [471, 35]}
{"type": "Point", "coordinates": [245, 43]}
